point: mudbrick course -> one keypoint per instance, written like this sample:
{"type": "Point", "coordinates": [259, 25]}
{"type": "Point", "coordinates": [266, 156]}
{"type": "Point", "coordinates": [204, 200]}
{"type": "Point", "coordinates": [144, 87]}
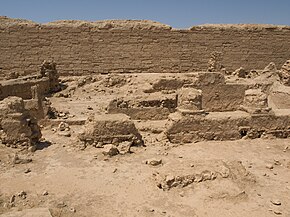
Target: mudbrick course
{"type": "Point", "coordinates": [135, 118]}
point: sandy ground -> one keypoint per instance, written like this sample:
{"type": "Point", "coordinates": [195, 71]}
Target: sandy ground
{"type": "Point", "coordinates": [91, 185]}
{"type": "Point", "coordinates": [74, 182]}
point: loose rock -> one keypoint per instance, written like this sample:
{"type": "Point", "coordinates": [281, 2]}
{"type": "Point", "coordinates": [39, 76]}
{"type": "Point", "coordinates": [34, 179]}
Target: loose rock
{"type": "Point", "coordinates": [27, 171]}
{"type": "Point", "coordinates": [154, 162]}
{"type": "Point", "coordinates": [269, 166]}
{"type": "Point", "coordinates": [110, 150]}
{"type": "Point", "coordinates": [276, 202]}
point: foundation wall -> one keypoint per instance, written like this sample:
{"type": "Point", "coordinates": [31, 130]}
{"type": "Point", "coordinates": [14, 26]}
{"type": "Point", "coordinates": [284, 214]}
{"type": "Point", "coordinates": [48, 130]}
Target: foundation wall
{"type": "Point", "coordinates": [227, 126]}
{"type": "Point", "coordinates": [22, 88]}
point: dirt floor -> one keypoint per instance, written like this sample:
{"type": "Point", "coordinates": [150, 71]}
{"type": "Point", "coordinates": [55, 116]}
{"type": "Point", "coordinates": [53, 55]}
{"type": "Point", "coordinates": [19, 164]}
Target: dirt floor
{"type": "Point", "coordinates": [84, 183]}
{"type": "Point", "coordinates": [206, 178]}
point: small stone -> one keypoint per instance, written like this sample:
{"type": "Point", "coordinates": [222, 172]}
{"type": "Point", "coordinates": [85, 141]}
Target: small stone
{"type": "Point", "coordinates": [277, 212]}
{"type": "Point", "coordinates": [110, 150]}
{"type": "Point", "coordinates": [12, 199]}
{"type": "Point", "coordinates": [198, 178]}
{"type": "Point", "coordinates": [269, 166]}
{"type": "Point", "coordinates": [27, 171]}
{"type": "Point", "coordinates": [72, 209]}
{"type": "Point", "coordinates": [32, 148]}
{"type": "Point", "coordinates": [45, 193]}
{"type": "Point", "coordinates": [125, 147]}
{"type": "Point", "coordinates": [191, 165]}
{"type": "Point", "coordinates": [99, 145]}
{"type": "Point", "coordinates": [115, 170]}
{"type": "Point", "coordinates": [82, 148]}
{"type": "Point", "coordinates": [276, 202]}
{"type": "Point", "coordinates": [154, 162]}
{"type": "Point", "coordinates": [63, 126]}
{"type": "Point", "coordinates": [64, 133]}
{"type": "Point", "coordinates": [181, 194]}
{"type": "Point", "coordinates": [206, 175]}
{"type": "Point", "coordinates": [90, 108]}
{"type": "Point", "coordinates": [61, 205]}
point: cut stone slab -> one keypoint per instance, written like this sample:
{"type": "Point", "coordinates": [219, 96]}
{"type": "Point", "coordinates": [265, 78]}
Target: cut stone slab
{"type": "Point", "coordinates": [36, 212]}
{"type": "Point", "coordinates": [110, 128]}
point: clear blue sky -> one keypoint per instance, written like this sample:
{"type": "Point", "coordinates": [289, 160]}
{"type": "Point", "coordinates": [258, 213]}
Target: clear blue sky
{"type": "Point", "coordinates": [177, 13]}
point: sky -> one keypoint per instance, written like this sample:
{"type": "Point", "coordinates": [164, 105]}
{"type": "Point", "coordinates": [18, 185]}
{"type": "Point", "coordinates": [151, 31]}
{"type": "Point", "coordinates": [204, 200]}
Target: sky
{"type": "Point", "coordinates": [176, 13]}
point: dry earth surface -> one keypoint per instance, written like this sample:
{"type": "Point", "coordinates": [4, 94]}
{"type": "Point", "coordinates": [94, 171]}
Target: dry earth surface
{"type": "Point", "coordinates": [206, 178]}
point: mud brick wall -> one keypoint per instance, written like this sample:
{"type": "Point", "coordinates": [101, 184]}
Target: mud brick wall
{"type": "Point", "coordinates": [81, 47]}
{"type": "Point", "coordinates": [22, 88]}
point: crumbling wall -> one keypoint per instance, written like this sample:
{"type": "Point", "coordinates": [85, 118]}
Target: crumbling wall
{"type": "Point", "coordinates": [36, 86]}
{"type": "Point", "coordinates": [22, 87]}
{"type": "Point", "coordinates": [226, 126]}
{"type": "Point", "coordinates": [17, 127]}
{"type": "Point", "coordinates": [147, 107]}
{"type": "Point", "coordinates": [137, 46]}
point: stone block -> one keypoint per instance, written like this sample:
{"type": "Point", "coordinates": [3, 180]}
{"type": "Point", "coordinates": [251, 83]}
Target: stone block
{"type": "Point", "coordinates": [255, 98]}
{"type": "Point", "coordinates": [110, 128]}
{"type": "Point", "coordinates": [190, 99]}
{"type": "Point", "coordinates": [224, 97]}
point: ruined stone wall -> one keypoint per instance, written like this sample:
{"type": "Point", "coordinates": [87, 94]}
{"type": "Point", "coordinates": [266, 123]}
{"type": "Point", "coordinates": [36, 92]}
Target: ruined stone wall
{"type": "Point", "coordinates": [22, 88]}
{"type": "Point", "coordinates": [137, 46]}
